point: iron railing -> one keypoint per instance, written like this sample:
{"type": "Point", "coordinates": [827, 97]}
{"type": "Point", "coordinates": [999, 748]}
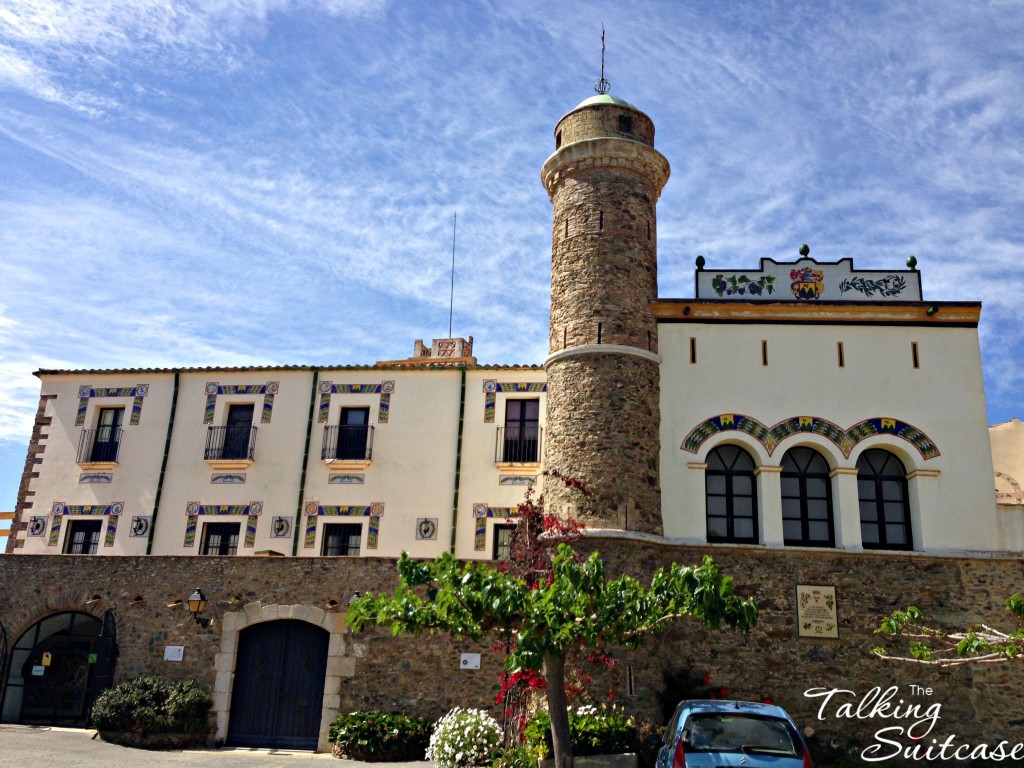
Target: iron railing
{"type": "Point", "coordinates": [517, 443]}
{"type": "Point", "coordinates": [100, 444]}
{"type": "Point", "coordinates": [237, 443]}
{"type": "Point", "coordinates": [347, 442]}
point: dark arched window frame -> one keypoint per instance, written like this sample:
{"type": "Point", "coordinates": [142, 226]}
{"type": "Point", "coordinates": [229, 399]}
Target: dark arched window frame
{"type": "Point", "coordinates": [807, 518]}
{"type": "Point", "coordinates": [731, 496]}
{"type": "Point", "coordinates": [884, 496]}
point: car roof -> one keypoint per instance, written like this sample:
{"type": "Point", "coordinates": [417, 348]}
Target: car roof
{"type": "Point", "coordinates": [731, 706]}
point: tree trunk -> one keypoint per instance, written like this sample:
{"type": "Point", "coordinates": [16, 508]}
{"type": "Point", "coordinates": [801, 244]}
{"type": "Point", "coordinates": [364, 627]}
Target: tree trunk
{"type": "Point", "coordinates": [554, 677]}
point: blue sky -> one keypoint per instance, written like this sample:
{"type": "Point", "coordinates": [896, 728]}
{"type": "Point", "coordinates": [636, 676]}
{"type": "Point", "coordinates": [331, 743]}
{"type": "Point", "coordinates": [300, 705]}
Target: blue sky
{"type": "Point", "coordinates": [236, 182]}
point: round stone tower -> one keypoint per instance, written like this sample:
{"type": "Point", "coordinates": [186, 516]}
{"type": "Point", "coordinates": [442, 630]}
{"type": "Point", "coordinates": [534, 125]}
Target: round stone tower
{"type": "Point", "coordinates": [603, 413]}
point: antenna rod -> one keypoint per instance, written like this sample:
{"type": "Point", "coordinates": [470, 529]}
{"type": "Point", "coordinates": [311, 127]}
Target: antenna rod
{"type": "Point", "coordinates": [602, 86]}
{"type": "Point", "coordinates": [451, 301]}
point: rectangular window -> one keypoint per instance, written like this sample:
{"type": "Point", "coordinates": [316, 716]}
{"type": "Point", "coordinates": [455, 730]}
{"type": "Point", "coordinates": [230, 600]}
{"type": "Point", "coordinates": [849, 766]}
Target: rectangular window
{"type": "Point", "coordinates": [83, 537]}
{"type": "Point", "coordinates": [502, 541]}
{"type": "Point", "coordinates": [764, 352]}
{"type": "Point", "coordinates": [521, 439]}
{"type": "Point", "coordinates": [238, 431]}
{"type": "Point", "coordinates": [108, 435]}
{"type": "Point", "coordinates": [914, 355]}
{"type": "Point", "coordinates": [840, 354]}
{"type": "Point", "coordinates": [353, 429]}
{"type": "Point", "coordinates": [220, 538]}
{"type": "Point", "coordinates": [342, 540]}
{"type": "Point", "coordinates": [693, 350]}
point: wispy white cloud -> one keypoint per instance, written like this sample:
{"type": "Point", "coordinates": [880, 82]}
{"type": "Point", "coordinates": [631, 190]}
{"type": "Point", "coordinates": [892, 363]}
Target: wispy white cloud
{"type": "Point", "coordinates": [234, 182]}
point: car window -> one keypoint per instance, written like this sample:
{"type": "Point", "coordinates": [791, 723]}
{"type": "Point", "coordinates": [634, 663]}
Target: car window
{"type": "Point", "coordinates": [670, 729]}
{"type": "Point", "coordinates": [739, 733]}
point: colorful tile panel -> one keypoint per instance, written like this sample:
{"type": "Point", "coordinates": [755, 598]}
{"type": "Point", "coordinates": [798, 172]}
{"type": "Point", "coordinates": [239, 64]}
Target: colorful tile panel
{"type": "Point", "coordinates": [194, 509]}
{"type": "Point", "coordinates": [844, 439]}
{"type": "Point", "coordinates": [60, 509]}
{"type": "Point", "coordinates": [328, 388]}
{"type": "Point", "coordinates": [214, 390]}
{"type": "Point", "coordinates": [85, 393]}
{"type": "Point", "coordinates": [491, 387]}
{"type": "Point", "coordinates": [313, 510]}
{"type": "Point", "coordinates": [480, 513]}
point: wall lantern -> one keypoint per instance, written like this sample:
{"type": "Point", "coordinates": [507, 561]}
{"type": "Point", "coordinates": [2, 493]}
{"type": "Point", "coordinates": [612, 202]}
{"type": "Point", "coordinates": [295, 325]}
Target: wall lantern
{"type": "Point", "coordinates": [196, 605]}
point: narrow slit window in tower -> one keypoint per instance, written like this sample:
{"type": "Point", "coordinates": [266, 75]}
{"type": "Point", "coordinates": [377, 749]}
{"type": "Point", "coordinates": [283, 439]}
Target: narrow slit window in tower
{"type": "Point", "coordinates": [693, 350]}
{"type": "Point", "coordinates": [566, 226]}
{"type": "Point", "coordinates": [914, 355]}
{"type": "Point", "coordinates": [600, 221]}
{"type": "Point", "coordinates": [842, 357]}
{"type": "Point", "coordinates": [648, 230]}
{"type": "Point", "coordinates": [764, 352]}
{"type": "Point", "coordinates": [558, 140]}
{"type": "Point", "coordinates": [599, 332]}
{"type": "Point", "coordinates": [626, 124]}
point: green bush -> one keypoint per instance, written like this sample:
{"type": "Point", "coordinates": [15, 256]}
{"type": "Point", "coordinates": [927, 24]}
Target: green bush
{"type": "Point", "coordinates": [149, 705]}
{"type": "Point", "coordinates": [463, 738]}
{"type": "Point", "coordinates": [378, 737]}
{"type": "Point", "coordinates": [593, 730]}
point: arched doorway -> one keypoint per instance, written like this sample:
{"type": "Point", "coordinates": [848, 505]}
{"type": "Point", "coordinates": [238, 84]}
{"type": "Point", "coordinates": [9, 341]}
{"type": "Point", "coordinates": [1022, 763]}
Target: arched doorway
{"type": "Point", "coordinates": [57, 669]}
{"type": "Point", "coordinates": [277, 696]}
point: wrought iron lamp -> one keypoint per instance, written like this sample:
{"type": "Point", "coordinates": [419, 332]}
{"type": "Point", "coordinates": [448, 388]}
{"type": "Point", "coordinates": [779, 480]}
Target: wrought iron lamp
{"type": "Point", "coordinates": [196, 605]}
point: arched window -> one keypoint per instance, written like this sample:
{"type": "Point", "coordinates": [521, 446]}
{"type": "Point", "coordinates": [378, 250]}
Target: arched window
{"type": "Point", "coordinates": [806, 500]}
{"type": "Point", "coordinates": [731, 496]}
{"type": "Point", "coordinates": [884, 501]}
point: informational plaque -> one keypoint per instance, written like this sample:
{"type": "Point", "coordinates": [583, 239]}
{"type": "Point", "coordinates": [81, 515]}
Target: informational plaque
{"type": "Point", "coordinates": [816, 614]}
{"type": "Point", "coordinates": [174, 652]}
{"type": "Point", "coordinates": [469, 661]}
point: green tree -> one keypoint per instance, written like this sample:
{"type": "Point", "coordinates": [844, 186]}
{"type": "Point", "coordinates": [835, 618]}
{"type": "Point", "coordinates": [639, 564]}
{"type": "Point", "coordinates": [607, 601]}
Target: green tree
{"type": "Point", "coordinates": [977, 644]}
{"type": "Point", "coordinates": [574, 606]}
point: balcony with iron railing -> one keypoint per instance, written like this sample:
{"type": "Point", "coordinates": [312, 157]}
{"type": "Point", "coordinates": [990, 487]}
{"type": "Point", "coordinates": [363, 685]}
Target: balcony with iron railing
{"type": "Point", "coordinates": [517, 444]}
{"type": "Point", "coordinates": [347, 446]}
{"type": "Point", "coordinates": [98, 448]}
{"type": "Point", "coordinates": [230, 447]}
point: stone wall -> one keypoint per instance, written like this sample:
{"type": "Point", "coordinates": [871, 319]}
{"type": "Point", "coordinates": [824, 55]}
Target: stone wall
{"type": "Point", "coordinates": [421, 676]}
{"type": "Point", "coordinates": [604, 120]}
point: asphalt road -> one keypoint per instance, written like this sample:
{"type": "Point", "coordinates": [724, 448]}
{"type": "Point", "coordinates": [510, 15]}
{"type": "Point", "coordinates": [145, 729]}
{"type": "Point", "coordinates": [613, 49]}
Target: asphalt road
{"type": "Point", "coordinates": [23, 746]}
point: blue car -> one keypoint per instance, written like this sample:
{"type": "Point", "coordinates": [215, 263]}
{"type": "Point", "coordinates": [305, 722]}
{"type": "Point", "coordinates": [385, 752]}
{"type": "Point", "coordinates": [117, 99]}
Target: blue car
{"type": "Point", "coordinates": [710, 734]}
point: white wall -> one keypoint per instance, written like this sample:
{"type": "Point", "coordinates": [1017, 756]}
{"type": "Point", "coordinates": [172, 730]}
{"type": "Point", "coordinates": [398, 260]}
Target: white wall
{"type": "Point", "coordinates": [944, 397]}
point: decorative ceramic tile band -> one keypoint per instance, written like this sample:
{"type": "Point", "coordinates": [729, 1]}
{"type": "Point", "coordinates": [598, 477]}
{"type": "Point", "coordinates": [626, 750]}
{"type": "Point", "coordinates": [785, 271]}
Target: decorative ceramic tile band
{"type": "Point", "coordinates": [336, 479]}
{"type": "Point", "coordinates": [384, 389]}
{"type": "Point", "coordinates": [481, 512]}
{"type": "Point", "coordinates": [492, 386]}
{"type": "Point", "coordinates": [111, 511]}
{"type": "Point", "coordinates": [194, 509]}
{"type": "Point", "coordinates": [85, 393]}
{"type": "Point", "coordinates": [94, 478]}
{"type": "Point", "coordinates": [844, 439]}
{"type": "Point", "coordinates": [228, 478]}
{"type": "Point", "coordinates": [374, 511]}
{"type": "Point", "coordinates": [214, 390]}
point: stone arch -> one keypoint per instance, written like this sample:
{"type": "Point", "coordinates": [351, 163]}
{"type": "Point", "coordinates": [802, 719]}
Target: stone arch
{"type": "Point", "coordinates": [339, 664]}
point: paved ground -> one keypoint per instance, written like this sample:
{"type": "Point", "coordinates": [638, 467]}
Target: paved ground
{"type": "Point", "coordinates": [23, 746]}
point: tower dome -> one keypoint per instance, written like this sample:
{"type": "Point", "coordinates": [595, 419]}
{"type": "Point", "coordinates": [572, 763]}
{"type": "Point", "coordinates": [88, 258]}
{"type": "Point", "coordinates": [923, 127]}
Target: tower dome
{"type": "Point", "coordinates": [604, 180]}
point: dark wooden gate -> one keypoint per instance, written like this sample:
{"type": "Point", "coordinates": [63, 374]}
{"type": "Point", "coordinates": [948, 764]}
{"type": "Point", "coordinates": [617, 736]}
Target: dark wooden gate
{"type": "Point", "coordinates": [278, 691]}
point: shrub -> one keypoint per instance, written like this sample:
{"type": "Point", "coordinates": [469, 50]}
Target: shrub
{"type": "Point", "coordinates": [514, 757]}
{"type": "Point", "coordinates": [464, 737]}
{"type": "Point", "coordinates": [593, 730]}
{"type": "Point", "coordinates": [149, 705]}
{"type": "Point", "coordinates": [378, 737]}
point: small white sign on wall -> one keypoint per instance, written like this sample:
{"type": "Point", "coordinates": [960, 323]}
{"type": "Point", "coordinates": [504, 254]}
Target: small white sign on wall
{"type": "Point", "coordinates": [174, 652]}
{"type": "Point", "coordinates": [470, 661]}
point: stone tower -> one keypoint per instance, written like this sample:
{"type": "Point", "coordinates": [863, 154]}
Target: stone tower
{"type": "Point", "coordinates": [603, 414]}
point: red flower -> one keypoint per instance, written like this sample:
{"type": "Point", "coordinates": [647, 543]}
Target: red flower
{"type": "Point", "coordinates": [706, 679]}
{"type": "Point", "coordinates": [766, 700]}
{"type": "Point", "coordinates": [724, 693]}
